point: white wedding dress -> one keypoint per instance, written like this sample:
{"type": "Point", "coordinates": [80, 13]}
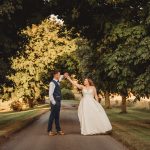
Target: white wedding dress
{"type": "Point", "coordinates": [92, 116]}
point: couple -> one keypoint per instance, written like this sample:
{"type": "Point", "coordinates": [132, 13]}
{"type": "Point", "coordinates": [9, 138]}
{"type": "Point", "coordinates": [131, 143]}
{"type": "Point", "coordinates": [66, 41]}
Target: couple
{"type": "Point", "coordinates": [92, 117]}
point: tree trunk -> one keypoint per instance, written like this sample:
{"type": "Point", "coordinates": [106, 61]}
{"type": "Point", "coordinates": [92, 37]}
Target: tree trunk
{"type": "Point", "coordinates": [107, 100]}
{"type": "Point", "coordinates": [123, 105]}
{"type": "Point", "coordinates": [31, 103]}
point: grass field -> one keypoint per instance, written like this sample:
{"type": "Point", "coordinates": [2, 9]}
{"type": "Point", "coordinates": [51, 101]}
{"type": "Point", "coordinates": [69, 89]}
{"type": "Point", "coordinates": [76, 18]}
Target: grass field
{"type": "Point", "coordinates": [13, 121]}
{"type": "Point", "coordinates": [132, 129]}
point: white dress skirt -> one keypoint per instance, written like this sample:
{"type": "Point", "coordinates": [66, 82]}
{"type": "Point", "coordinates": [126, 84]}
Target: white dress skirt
{"type": "Point", "coordinates": [92, 116]}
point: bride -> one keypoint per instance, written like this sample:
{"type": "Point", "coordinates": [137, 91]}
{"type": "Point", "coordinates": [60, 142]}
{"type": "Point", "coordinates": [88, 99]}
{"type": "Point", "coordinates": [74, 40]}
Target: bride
{"type": "Point", "coordinates": [92, 116]}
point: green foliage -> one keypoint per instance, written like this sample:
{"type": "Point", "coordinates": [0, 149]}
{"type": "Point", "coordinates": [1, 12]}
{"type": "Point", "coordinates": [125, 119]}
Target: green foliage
{"type": "Point", "coordinates": [119, 61]}
{"type": "Point", "coordinates": [66, 85]}
{"type": "Point", "coordinates": [91, 64]}
{"type": "Point", "coordinates": [69, 63]}
{"type": "Point", "coordinates": [91, 16]}
{"type": "Point", "coordinates": [67, 94]}
{"type": "Point", "coordinates": [45, 42]}
{"type": "Point", "coordinates": [128, 57]}
{"type": "Point", "coordinates": [7, 38]}
{"type": "Point", "coordinates": [14, 16]}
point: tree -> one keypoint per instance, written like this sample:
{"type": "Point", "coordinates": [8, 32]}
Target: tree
{"type": "Point", "coordinates": [128, 61]}
{"type": "Point", "coordinates": [14, 16]}
{"type": "Point", "coordinates": [91, 65]}
{"type": "Point", "coordinates": [45, 42]}
{"type": "Point", "coordinates": [7, 40]}
{"type": "Point", "coordinates": [119, 53]}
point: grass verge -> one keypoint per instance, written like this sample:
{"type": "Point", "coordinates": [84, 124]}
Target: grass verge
{"type": "Point", "coordinates": [11, 122]}
{"type": "Point", "coordinates": [132, 129]}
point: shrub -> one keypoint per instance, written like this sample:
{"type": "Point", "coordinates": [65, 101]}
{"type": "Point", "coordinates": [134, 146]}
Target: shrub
{"type": "Point", "coordinates": [16, 106]}
{"type": "Point", "coordinates": [67, 94]}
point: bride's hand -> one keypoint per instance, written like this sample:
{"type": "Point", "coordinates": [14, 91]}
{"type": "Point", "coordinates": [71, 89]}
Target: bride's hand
{"type": "Point", "coordinates": [66, 75]}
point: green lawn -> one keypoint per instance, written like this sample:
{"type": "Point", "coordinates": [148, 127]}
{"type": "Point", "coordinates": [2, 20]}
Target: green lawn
{"type": "Point", "coordinates": [13, 121]}
{"type": "Point", "coordinates": [133, 128]}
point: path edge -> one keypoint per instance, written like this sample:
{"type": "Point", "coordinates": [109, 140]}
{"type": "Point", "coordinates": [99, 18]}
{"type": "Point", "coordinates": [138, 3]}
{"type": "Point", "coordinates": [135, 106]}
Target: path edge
{"type": "Point", "coordinates": [28, 122]}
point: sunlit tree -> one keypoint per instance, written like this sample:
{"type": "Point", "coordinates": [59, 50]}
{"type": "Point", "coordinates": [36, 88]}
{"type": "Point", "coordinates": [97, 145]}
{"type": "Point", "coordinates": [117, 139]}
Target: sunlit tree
{"type": "Point", "coordinates": [43, 44]}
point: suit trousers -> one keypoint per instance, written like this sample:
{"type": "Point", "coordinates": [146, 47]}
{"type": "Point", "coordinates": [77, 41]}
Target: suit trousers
{"type": "Point", "coordinates": [54, 115]}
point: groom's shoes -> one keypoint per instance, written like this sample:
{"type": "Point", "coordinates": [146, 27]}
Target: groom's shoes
{"type": "Point", "coordinates": [51, 133]}
{"type": "Point", "coordinates": [60, 133]}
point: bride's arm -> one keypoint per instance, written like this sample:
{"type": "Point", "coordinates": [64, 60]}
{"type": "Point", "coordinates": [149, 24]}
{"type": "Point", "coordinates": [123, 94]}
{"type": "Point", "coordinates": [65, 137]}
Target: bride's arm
{"type": "Point", "coordinates": [75, 84]}
{"type": "Point", "coordinates": [95, 94]}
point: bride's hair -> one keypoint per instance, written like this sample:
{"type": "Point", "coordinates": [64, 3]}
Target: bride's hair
{"type": "Point", "coordinates": [91, 83]}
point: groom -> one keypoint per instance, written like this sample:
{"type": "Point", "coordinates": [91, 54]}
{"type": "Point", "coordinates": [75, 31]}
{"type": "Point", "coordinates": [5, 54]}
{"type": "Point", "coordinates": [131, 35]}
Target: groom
{"type": "Point", "coordinates": [55, 98]}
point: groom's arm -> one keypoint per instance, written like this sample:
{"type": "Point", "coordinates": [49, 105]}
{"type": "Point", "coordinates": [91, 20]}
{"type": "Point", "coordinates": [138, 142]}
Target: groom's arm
{"type": "Point", "coordinates": [51, 91]}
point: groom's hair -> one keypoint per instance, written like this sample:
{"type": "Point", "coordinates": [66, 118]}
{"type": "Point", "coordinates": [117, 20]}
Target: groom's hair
{"type": "Point", "coordinates": [55, 72]}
